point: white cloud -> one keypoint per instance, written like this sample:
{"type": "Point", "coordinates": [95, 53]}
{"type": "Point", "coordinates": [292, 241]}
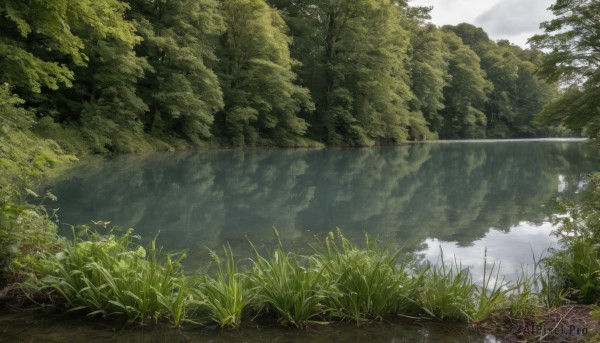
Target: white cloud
{"type": "Point", "coordinates": [454, 12]}
{"type": "Point", "coordinates": [515, 20]}
{"type": "Point", "coordinates": [513, 17]}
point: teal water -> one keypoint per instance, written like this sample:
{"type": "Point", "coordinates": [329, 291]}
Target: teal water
{"type": "Point", "coordinates": [420, 196]}
{"type": "Point", "coordinates": [462, 197]}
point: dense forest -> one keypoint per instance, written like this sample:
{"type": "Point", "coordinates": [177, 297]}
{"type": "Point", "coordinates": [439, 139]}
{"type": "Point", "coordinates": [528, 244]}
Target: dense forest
{"type": "Point", "coordinates": [113, 75]}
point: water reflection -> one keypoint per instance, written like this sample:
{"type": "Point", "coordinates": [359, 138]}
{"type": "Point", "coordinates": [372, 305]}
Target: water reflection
{"type": "Point", "coordinates": [510, 252]}
{"type": "Point", "coordinates": [415, 195]}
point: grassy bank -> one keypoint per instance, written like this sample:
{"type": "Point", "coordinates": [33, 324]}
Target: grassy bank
{"type": "Point", "coordinates": [24, 158]}
{"type": "Point", "coordinates": [112, 276]}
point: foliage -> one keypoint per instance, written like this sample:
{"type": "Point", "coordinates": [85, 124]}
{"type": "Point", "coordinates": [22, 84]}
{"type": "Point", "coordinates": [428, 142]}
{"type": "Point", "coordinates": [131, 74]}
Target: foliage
{"type": "Point", "coordinates": [182, 90]}
{"type": "Point", "coordinates": [366, 283]}
{"type": "Point", "coordinates": [577, 270]}
{"type": "Point", "coordinates": [139, 75]}
{"type": "Point", "coordinates": [261, 99]}
{"type": "Point", "coordinates": [572, 41]}
{"type": "Point", "coordinates": [24, 158]}
{"type": "Point", "coordinates": [466, 93]}
{"type": "Point", "coordinates": [286, 288]}
{"type": "Point", "coordinates": [429, 66]}
{"type": "Point", "coordinates": [109, 275]}
{"type": "Point", "coordinates": [38, 36]}
{"type": "Point", "coordinates": [576, 266]}
{"type": "Point", "coordinates": [583, 220]}
{"type": "Point", "coordinates": [25, 232]}
{"type": "Point", "coordinates": [225, 295]}
{"type": "Point", "coordinates": [358, 77]}
{"type": "Point", "coordinates": [515, 94]}
{"type": "Point", "coordinates": [525, 299]}
{"type": "Point", "coordinates": [447, 292]}
{"type": "Point", "coordinates": [492, 297]}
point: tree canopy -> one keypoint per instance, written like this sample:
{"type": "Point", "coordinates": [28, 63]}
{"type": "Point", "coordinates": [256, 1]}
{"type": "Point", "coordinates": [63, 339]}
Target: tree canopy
{"type": "Point", "coordinates": [572, 42]}
{"type": "Point", "coordinates": [137, 75]}
{"type": "Point", "coordinates": [261, 98]}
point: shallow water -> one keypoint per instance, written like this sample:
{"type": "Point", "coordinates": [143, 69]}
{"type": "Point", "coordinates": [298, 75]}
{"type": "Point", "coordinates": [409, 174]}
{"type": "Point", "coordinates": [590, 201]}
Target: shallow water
{"type": "Point", "coordinates": [36, 326]}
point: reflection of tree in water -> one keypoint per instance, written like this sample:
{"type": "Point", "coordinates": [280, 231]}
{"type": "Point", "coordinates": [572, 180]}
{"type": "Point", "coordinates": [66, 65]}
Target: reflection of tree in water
{"type": "Point", "coordinates": [175, 194]}
{"type": "Point", "coordinates": [361, 190]}
{"type": "Point", "coordinates": [263, 191]}
{"type": "Point", "coordinates": [453, 192]}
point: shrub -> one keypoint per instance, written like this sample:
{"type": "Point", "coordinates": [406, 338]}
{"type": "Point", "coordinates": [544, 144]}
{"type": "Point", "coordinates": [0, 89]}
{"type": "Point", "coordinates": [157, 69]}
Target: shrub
{"type": "Point", "coordinates": [109, 275]}
{"type": "Point", "coordinates": [226, 295]}
{"type": "Point", "coordinates": [287, 286]}
{"type": "Point", "coordinates": [365, 283]}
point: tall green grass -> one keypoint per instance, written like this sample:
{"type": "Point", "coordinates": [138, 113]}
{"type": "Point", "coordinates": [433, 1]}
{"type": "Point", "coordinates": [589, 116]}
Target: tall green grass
{"type": "Point", "coordinates": [573, 271]}
{"type": "Point", "coordinates": [576, 270]}
{"type": "Point", "coordinates": [525, 298]}
{"type": "Point", "coordinates": [109, 275]}
{"type": "Point", "coordinates": [491, 296]}
{"type": "Point", "coordinates": [113, 276]}
{"type": "Point", "coordinates": [226, 295]}
{"type": "Point", "coordinates": [26, 232]}
{"type": "Point", "coordinates": [365, 284]}
{"type": "Point", "coordinates": [287, 286]}
{"type": "Point", "coordinates": [447, 291]}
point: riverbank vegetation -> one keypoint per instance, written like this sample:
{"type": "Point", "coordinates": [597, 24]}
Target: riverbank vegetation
{"type": "Point", "coordinates": [112, 275]}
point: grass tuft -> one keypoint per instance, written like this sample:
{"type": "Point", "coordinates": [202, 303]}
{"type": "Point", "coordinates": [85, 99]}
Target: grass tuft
{"type": "Point", "coordinates": [109, 275]}
{"type": "Point", "coordinates": [225, 295]}
{"type": "Point", "coordinates": [365, 283]}
{"type": "Point", "coordinates": [287, 286]}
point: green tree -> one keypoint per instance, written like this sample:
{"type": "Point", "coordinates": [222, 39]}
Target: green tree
{"type": "Point", "coordinates": [516, 94]}
{"type": "Point", "coordinates": [531, 94]}
{"type": "Point", "coordinates": [428, 67]}
{"type": "Point", "coordinates": [353, 56]}
{"type": "Point", "coordinates": [92, 45]}
{"type": "Point", "coordinates": [24, 157]}
{"type": "Point", "coordinates": [182, 92]}
{"type": "Point", "coordinates": [466, 93]}
{"type": "Point", "coordinates": [261, 100]}
{"type": "Point", "coordinates": [38, 38]}
{"type": "Point", "coordinates": [502, 70]}
{"type": "Point", "coordinates": [365, 79]}
{"type": "Point", "coordinates": [104, 96]}
{"type": "Point", "coordinates": [103, 103]}
{"type": "Point", "coordinates": [572, 40]}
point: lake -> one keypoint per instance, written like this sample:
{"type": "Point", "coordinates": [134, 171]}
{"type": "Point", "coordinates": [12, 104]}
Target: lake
{"type": "Point", "coordinates": [462, 198]}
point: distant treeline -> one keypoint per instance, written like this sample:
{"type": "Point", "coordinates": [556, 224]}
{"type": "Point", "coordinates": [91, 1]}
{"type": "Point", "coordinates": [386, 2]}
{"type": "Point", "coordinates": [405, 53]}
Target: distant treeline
{"type": "Point", "coordinates": [112, 75]}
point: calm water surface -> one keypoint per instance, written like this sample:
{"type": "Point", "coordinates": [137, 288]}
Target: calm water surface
{"type": "Point", "coordinates": [461, 197]}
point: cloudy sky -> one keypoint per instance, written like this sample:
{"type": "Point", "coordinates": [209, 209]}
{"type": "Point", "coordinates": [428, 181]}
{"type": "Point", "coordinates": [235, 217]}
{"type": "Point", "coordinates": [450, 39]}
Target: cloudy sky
{"type": "Point", "coordinates": [515, 20]}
